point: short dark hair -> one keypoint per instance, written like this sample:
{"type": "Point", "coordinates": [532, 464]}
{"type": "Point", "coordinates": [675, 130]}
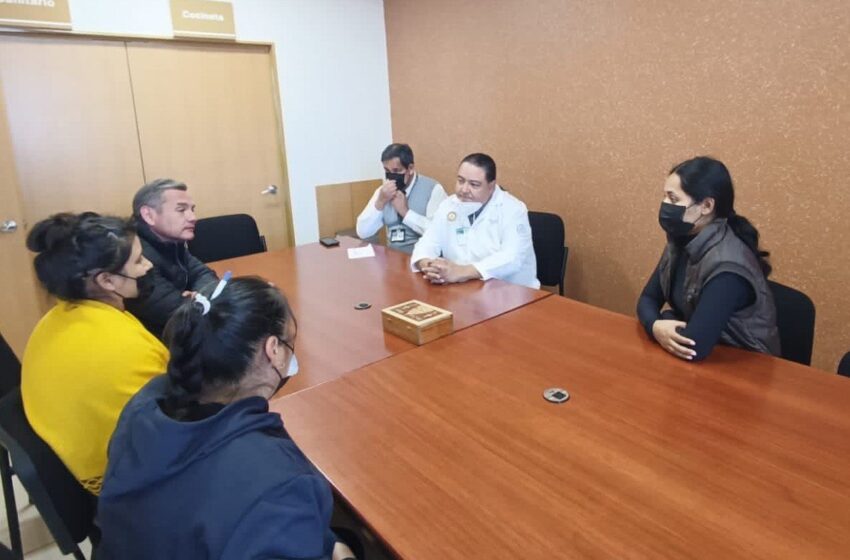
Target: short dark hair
{"type": "Point", "coordinates": [401, 151]}
{"type": "Point", "coordinates": [72, 247]}
{"type": "Point", "coordinates": [483, 161]}
{"type": "Point", "coordinates": [151, 194]}
{"type": "Point", "coordinates": [217, 348]}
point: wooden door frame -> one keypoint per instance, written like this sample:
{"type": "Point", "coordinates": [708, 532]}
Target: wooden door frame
{"type": "Point", "coordinates": [278, 108]}
{"type": "Point", "coordinates": [38, 294]}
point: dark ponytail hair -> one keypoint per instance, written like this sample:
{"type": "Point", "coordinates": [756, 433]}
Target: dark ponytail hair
{"type": "Point", "coordinates": [72, 247]}
{"type": "Point", "coordinates": [705, 177]}
{"type": "Point", "coordinates": [218, 348]}
{"type": "Point", "coordinates": [483, 161]}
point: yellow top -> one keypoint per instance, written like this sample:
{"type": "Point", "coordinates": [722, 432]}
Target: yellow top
{"type": "Point", "coordinates": [83, 362]}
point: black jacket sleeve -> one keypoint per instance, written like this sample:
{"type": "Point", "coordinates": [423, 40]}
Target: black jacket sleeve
{"type": "Point", "coordinates": [200, 275]}
{"type": "Point", "coordinates": [719, 299]}
{"type": "Point", "coordinates": [155, 310]}
{"type": "Point", "coordinates": [650, 302]}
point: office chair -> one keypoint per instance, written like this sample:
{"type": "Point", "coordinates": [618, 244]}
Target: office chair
{"type": "Point", "coordinates": [795, 318]}
{"type": "Point", "coordinates": [66, 507]}
{"type": "Point", "coordinates": [226, 237]}
{"type": "Point", "coordinates": [844, 365]}
{"type": "Point", "coordinates": [10, 378]}
{"type": "Point", "coordinates": [10, 368]}
{"type": "Point", "coordinates": [547, 235]}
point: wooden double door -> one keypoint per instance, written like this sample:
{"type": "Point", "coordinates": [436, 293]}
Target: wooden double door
{"type": "Point", "coordinates": [85, 122]}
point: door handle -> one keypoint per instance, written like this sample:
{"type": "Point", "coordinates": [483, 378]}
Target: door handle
{"type": "Point", "coordinates": [271, 189]}
{"type": "Point", "coordinates": [9, 226]}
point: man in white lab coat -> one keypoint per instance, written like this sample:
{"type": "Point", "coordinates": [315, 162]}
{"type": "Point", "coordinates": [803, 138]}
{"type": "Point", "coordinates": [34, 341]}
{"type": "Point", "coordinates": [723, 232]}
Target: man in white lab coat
{"type": "Point", "coordinates": [404, 203]}
{"type": "Point", "coordinates": [480, 232]}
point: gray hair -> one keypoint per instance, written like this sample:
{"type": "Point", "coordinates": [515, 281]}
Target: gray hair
{"type": "Point", "coordinates": [151, 194]}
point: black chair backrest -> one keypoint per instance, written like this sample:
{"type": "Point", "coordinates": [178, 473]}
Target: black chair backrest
{"type": "Point", "coordinates": [66, 507]}
{"type": "Point", "coordinates": [547, 234]}
{"type": "Point", "coordinates": [795, 317]}
{"type": "Point", "coordinates": [226, 237]}
{"type": "Point", "coordinates": [844, 365]}
{"type": "Point", "coordinates": [10, 368]}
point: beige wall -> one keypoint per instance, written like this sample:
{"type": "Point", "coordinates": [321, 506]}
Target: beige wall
{"type": "Point", "coordinates": [586, 105]}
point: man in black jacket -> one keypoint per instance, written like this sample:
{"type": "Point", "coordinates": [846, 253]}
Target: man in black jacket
{"type": "Point", "coordinates": [165, 218]}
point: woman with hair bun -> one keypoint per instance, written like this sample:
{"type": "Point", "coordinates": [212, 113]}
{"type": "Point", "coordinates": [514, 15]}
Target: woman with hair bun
{"type": "Point", "coordinates": [198, 466]}
{"type": "Point", "coordinates": [87, 356]}
{"type": "Point", "coordinates": [712, 275]}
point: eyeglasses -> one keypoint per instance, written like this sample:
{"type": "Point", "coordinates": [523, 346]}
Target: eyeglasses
{"type": "Point", "coordinates": [285, 343]}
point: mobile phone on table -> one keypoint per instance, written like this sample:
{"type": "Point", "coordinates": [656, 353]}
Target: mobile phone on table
{"type": "Point", "coordinates": [329, 241]}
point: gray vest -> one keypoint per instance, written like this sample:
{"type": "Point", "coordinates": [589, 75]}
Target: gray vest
{"type": "Point", "coordinates": [420, 194]}
{"type": "Point", "coordinates": [716, 249]}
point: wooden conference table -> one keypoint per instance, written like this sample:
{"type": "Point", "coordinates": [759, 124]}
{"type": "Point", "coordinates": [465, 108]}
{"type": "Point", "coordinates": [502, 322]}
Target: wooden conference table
{"type": "Point", "coordinates": [449, 451]}
{"type": "Point", "coordinates": [323, 285]}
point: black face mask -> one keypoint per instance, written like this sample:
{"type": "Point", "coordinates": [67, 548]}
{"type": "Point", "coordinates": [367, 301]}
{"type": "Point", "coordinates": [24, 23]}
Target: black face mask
{"type": "Point", "coordinates": [671, 218]}
{"type": "Point", "coordinates": [398, 178]}
{"type": "Point", "coordinates": [144, 284]}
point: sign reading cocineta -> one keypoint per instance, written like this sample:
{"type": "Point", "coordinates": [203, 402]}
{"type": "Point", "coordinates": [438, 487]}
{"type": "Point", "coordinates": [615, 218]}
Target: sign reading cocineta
{"type": "Point", "coordinates": [53, 14]}
{"type": "Point", "coordinates": [203, 18]}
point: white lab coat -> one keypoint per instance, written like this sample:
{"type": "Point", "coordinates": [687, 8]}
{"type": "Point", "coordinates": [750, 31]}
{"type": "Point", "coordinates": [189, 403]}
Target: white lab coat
{"type": "Point", "coordinates": [498, 244]}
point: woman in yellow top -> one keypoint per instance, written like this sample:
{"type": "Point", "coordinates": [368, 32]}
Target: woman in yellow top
{"type": "Point", "coordinates": [87, 356]}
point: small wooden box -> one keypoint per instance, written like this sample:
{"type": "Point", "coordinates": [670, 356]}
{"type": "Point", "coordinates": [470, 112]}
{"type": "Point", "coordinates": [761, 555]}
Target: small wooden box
{"type": "Point", "coordinates": [417, 322]}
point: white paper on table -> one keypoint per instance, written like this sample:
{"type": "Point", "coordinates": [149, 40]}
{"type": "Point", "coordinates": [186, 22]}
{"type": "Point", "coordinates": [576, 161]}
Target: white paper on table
{"type": "Point", "coordinates": [361, 252]}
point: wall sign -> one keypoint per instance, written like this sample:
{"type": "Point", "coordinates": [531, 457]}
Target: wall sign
{"type": "Point", "coordinates": [35, 13]}
{"type": "Point", "coordinates": [203, 18]}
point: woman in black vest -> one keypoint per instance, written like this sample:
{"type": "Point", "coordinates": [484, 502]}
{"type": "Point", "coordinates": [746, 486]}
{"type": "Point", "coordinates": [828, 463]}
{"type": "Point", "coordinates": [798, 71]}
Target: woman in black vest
{"type": "Point", "coordinates": [712, 275]}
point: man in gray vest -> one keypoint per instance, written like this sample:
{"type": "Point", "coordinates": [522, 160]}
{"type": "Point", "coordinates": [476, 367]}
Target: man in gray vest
{"type": "Point", "coordinates": [404, 203]}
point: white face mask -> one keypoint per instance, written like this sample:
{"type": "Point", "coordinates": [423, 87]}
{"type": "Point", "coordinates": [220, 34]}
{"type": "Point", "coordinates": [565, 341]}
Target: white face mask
{"type": "Point", "coordinates": [291, 370]}
{"type": "Point", "coordinates": [467, 208]}
{"type": "Point", "coordinates": [293, 366]}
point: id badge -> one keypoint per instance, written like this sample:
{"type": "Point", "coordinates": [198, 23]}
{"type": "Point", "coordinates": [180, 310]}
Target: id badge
{"type": "Point", "coordinates": [460, 235]}
{"type": "Point", "coordinates": [397, 235]}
